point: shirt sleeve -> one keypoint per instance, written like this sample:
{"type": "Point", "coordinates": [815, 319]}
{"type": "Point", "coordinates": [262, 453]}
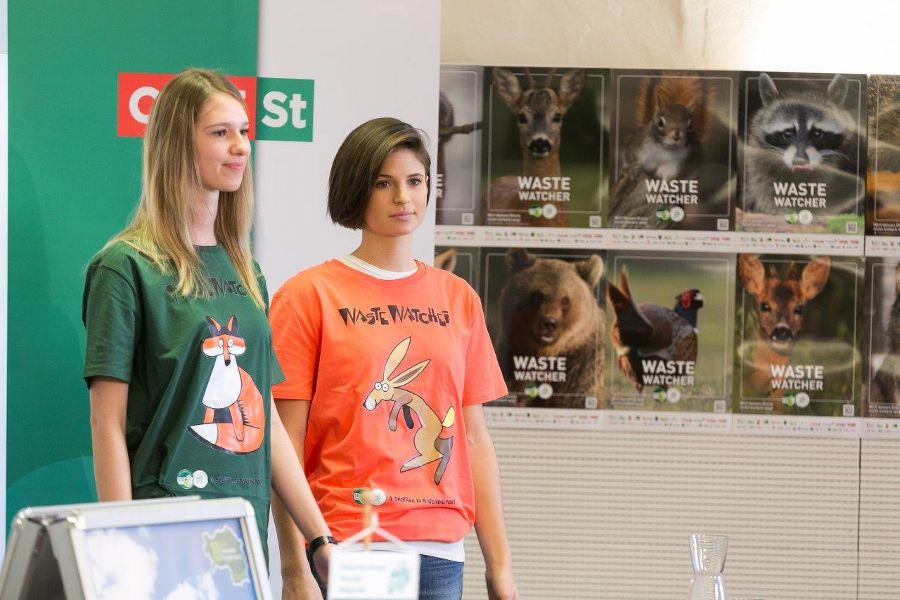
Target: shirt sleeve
{"type": "Point", "coordinates": [275, 372]}
{"type": "Point", "coordinates": [296, 320]}
{"type": "Point", "coordinates": [110, 314]}
{"type": "Point", "coordinates": [484, 380]}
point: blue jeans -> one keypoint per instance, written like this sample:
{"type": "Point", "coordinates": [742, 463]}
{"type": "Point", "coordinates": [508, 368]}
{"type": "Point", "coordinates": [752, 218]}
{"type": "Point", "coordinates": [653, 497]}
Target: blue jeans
{"type": "Point", "coordinates": [439, 579]}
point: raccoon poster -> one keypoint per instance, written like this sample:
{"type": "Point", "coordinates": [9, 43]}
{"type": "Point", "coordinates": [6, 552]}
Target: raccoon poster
{"type": "Point", "coordinates": [674, 137]}
{"type": "Point", "coordinates": [881, 359]}
{"type": "Point", "coordinates": [458, 171]}
{"type": "Point", "coordinates": [803, 153]}
{"type": "Point", "coordinates": [545, 313]}
{"type": "Point", "coordinates": [670, 331]}
{"type": "Point", "coordinates": [883, 177]}
{"type": "Point", "coordinates": [799, 335]}
{"type": "Point", "coordinates": [462, 261]}
{"type": "Point", "coordinates": [545, 145]}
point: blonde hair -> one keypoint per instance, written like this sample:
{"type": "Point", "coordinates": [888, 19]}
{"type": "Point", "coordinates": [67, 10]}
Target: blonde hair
{"type": "Point", "coordinates": [160, 228]}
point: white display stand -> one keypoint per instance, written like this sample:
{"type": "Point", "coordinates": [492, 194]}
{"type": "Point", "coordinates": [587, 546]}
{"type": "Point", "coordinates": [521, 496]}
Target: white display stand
{"type": "Point", "coordinates": [142, 548]}
{"type": "Point", "coordinates": [357, 573]}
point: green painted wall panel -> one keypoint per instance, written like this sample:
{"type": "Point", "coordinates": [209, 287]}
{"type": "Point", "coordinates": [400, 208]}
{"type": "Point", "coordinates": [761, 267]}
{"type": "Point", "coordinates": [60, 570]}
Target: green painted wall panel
{"type": "Point", "coordinates": [72, 185]}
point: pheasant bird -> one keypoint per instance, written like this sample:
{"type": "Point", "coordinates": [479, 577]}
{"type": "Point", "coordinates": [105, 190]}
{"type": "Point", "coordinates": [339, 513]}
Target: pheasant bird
{"type": "Point", "coordinates": [641, 331]}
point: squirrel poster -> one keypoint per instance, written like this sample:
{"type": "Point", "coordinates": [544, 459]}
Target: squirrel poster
{"type": "Point", "coordinates": [674, 150]}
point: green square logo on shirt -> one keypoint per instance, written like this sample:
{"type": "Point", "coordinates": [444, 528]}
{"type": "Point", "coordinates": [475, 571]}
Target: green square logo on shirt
{"type": "Point", "coordinates": [284, 109]}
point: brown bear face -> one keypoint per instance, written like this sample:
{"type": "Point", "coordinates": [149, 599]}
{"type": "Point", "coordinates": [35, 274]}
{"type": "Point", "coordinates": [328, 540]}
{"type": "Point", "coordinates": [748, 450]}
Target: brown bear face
{"type": "Point", "coordinates": [549, 304]}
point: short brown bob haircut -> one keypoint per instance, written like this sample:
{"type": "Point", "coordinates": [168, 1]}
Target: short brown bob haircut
{"type": "Point", "coordinates": [358, 162]}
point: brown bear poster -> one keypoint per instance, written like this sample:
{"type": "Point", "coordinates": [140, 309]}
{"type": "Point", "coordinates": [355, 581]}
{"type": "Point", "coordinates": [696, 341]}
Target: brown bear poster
{"type": "Point", "coordinates": [546, 316]}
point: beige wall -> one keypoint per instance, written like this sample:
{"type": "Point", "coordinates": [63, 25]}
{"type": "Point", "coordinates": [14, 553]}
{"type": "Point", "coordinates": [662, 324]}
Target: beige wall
{"type": "Point", "coordinates": [803, 35]}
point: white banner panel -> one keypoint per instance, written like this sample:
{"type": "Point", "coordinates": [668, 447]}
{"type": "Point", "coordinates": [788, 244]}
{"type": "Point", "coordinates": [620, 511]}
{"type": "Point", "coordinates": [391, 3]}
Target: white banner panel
{"type": "Point", "coordinates": [367, 59]}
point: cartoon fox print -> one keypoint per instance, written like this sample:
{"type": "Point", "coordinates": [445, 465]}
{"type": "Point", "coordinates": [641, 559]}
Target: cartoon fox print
{"type": "Point", "coordinates": [427, 441]}
{"type": "Point", "coordinates": [235, 416]}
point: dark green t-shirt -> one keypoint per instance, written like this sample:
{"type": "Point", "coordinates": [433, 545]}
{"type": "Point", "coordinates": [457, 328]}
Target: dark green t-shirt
{"type": "Point", "coordinates": [199, 371]}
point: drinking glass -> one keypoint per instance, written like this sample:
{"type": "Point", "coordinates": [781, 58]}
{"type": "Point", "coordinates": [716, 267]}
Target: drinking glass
{"type": "Point", "coordinates": [707, 562]}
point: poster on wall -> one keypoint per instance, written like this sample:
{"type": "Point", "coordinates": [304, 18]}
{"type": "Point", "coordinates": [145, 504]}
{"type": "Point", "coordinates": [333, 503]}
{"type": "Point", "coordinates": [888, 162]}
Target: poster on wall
{"type": "Point", "coordinates": [881, 359]}
{"type": "Point", "coordinates": [462, 261]}
{"type": "Point", "coordinates": [673, 134]}
{"type": "Point", "coordinates": [883, 176]}
{"type": "Point", "coordinates": [545, 313]}
{"type": "Point", "coordinates": [798, 335]}
{"type": "Point", "coordinates": [670, 319]}
{"type": "Point", "coordinates": [457, 186]}
{"type": "Point", "coordinates": [803, 153]}
{"type": "Point", "coordinates": [545, 143]}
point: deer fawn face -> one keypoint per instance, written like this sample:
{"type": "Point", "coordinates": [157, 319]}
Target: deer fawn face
{"type": "Point", "coordinates": [781, 302]}
{"type": "Point", "coordinates": [540, 110]}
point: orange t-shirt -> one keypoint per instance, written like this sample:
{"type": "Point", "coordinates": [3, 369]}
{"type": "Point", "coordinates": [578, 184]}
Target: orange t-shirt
{"type": "Point", "coordinates": [388, 366]}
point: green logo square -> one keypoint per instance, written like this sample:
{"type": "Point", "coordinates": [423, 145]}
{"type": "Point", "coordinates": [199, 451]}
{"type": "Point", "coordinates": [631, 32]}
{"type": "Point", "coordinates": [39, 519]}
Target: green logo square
{"type": "Point", "coordinates": [284, 109]}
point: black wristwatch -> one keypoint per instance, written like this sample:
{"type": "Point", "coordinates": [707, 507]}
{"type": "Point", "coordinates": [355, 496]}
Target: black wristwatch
{"type": "Point", "coordinates": [320, 541]}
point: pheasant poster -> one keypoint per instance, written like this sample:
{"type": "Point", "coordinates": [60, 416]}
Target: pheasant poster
{"type": "Point", "coordinates": [803, 153]}
{"type": "Point", "coordinates": [544, 310]}
{"type": "Point", "coordinates": [673, 164]}
{"type": "Point", "coordinates": [457, 184]}
{"type": "Point", "coordinates": [799, 335]}
{"type": "Point", "coordinates": [546, 148]}
{"type": "Point", "coordinates": [669, 331]}
{"type": "Point", "coordinates": [881, 356]}
{"type": "Point", "coordinates": [883, 177]}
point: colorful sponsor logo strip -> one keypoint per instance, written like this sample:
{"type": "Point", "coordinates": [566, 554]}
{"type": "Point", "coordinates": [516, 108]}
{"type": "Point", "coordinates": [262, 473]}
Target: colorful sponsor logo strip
{"type": "Point", "coordinates": [278, 109]}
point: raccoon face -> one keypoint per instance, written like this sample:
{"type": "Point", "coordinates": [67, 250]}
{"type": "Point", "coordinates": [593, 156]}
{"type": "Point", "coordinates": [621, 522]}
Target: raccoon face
{"type": "Point", "coordinates": [804, 136]}
{"type": "Point", "coordinates": [804, 130]}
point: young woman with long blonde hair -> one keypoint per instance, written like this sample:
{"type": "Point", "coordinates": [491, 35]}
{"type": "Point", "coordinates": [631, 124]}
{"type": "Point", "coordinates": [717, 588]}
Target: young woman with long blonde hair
{"type": "Point", "coordinates": [179, 357]}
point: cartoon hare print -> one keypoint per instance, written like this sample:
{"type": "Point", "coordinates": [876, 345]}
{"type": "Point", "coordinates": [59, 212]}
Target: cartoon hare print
{"type": "Point", "coordinates": [430, 445]}
{"type": "Point", "coordinates": [235, 418]}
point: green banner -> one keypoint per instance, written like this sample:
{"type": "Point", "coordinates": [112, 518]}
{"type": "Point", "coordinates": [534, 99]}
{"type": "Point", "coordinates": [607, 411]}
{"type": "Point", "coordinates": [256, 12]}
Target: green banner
{"type": "Point", "coordinates": [73, 183]}
{"type": "Point", "coordinates": [284, 109]}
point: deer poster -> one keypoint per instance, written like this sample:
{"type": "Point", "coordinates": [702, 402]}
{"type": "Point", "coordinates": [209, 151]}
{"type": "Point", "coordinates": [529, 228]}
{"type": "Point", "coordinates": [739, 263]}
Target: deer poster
{"type": "Point", "coordinates": [881, 358]}
{"type": "Point", "coordinates": [674, 160]}
{"type": "Point", "coordinates": [462, 261]}
{"type": "Point", "coordinates": [669, 330]}
{"type": "Point", "coordinates": [545, 313]}
{"type": "Point", "coordinates": [883, 177]}
{"type": "Point", "coordinates": [803, 153]}
{"type": "Point", "coordinates": [545, 146]}
{"type": "Point", "coordinates": [799, 335]}
{"type": "Point", "coordinates": [458, 173]}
